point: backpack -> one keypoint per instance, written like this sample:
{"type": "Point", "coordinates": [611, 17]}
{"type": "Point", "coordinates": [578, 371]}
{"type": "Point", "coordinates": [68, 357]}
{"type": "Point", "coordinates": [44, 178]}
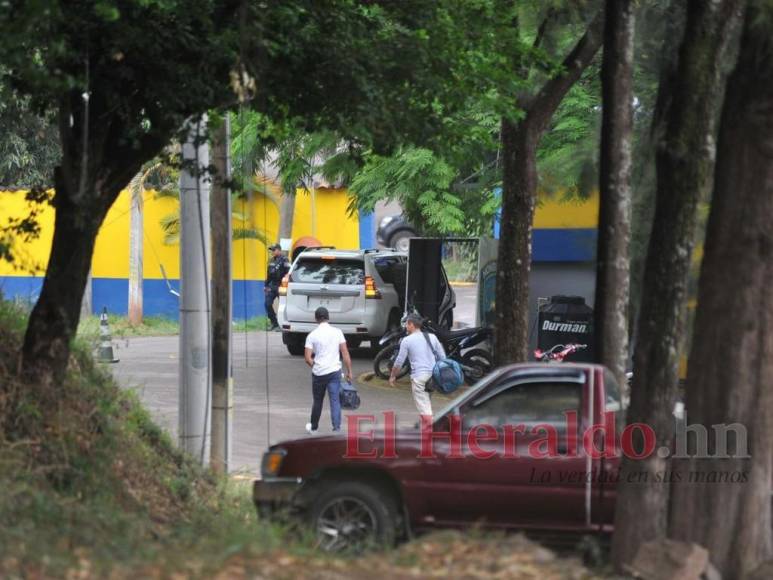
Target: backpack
{"type": "Point", "coordinates": [350, 398]}
{"type": "Point", "coordinates": [447, 375]}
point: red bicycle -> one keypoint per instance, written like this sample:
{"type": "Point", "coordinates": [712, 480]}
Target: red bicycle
{"type": "Point", "coordinates": [558, 352]}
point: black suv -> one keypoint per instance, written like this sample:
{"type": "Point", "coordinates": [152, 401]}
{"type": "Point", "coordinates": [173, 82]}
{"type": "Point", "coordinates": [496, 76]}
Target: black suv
{"type": "Point", "coordinates": [394, 231]}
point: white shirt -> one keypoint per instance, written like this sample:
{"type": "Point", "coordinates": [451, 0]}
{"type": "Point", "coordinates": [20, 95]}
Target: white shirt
{"type": "Point", "coordinates": [325, 342]}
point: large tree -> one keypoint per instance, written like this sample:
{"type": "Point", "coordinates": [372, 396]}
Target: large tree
{"type": "Point", "coordinates": [123, 75]}
{"type": "Point", "coordinates": [731, 362]}
{"type": "Point", "coordinates": [520, 135]}
{"type": "Point", "coordinates": [684, 157]}
{"type": "Point", "coordinates": [611, 303]}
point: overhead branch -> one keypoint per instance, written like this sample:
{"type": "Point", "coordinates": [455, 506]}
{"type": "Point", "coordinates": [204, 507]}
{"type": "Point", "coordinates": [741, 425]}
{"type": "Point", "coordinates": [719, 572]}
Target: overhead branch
{"type": "Point", "coordinates": [552, 93]}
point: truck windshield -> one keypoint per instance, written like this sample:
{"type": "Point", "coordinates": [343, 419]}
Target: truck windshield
{"type": "Point", "coordinates": [468, 393]}
{"type": "Point", "coordinates": [329, 271]}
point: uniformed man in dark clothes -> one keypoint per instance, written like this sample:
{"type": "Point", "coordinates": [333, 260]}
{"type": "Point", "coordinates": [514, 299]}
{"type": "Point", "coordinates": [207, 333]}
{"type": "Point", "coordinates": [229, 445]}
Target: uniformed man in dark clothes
{"type": "Point", "coordinates": [278, 267]}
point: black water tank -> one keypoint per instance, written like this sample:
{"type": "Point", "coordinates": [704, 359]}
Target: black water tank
{"type": "Point", "coordinates": [566, 320]}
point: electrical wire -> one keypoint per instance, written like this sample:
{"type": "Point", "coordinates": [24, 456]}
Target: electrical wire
{"type": "Point", "coordinates": [265, 229]}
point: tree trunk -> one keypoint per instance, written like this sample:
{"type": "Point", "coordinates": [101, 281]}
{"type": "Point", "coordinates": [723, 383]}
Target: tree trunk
{"type": "Point", "coordinates": [519, 191]}
{"type": "Point", "coordinates": [684, 163]}
{"type": "Point", "coordinates": [97, 162]}
{"type": "Point", "coordinates": [286, 215]}
{"type": "Point", "coordinates": [731, 363]}
{"type": "Point", "coordinates": [519, 167]}
{"type": "Point", "coordinates": [54, 319]}
{"type": "Point", "coordinates": [614, 230]}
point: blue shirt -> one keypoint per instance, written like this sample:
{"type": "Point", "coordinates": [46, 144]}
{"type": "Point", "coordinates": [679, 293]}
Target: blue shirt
{"type": "Point", "coordinates": [414, 347]}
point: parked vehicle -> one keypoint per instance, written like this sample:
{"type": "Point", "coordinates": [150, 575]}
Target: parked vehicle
{"type": "Point", "coordinates": [382, 496]}
{"type": "Point", "coordinates": [458, 344]}
{"type": "Point", "coordinates": [394, 231]}
{"type": "Point", "coordinates": [364, 291]}
{"type": "Point", "coordinates": [558, 352]}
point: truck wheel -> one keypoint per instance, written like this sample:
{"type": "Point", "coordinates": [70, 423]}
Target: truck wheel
{"type": "Point", "coordinates": [401, 240]}
{"type": "Point", "coordinates": [295, 344]}
{"type": "Point", "coordinates": [382, 364]}
{"type": "Point", "coordinates": [352, 517]}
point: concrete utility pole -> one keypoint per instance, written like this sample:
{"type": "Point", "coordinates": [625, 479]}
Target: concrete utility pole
{"type": "Point", "coordinates": [136, 229]}
{"type": "Point", "coordinates": [195, 339]}
{"type": "Point", "coordinates": [222, 376]}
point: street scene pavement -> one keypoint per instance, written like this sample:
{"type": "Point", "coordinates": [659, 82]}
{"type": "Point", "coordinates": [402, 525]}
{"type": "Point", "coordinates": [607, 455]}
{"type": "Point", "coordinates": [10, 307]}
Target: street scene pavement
{"type": "Point", "coordinates": [272, 389]}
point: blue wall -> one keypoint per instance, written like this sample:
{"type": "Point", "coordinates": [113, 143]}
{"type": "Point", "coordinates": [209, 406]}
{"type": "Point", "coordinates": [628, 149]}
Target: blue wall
{"type": "Point", "coordinates": [22, 288]}
{"type": "Point", "coordinates": [367, 231]}
{"type": "Point", "coordinates": [113, 293]}
{"type": "Point", "coordinates": [159, 301]}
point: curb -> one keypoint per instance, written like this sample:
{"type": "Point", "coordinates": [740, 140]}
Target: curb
{"type": "Point", "coordinates": [463, 284]}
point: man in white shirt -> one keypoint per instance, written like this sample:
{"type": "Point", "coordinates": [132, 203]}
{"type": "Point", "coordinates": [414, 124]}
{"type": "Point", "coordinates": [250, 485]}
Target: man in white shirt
{"type": "Point", "coordinates": [325, 347]}
{"type": "Point", "coordinates": [422, 350]}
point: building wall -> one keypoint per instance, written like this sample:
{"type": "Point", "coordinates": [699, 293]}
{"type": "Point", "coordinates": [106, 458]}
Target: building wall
{"type": "Point", "coordinates": [22, 280]}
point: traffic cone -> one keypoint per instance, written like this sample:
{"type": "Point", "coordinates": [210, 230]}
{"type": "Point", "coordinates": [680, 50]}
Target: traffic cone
{"type": "Point", "coordinates": [105, 353]}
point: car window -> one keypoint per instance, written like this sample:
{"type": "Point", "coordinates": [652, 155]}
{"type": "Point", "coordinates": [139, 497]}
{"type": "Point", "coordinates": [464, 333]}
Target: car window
{"type": "Point", "coordinates": [387, 267]}
{"type": "Point", "coordinates": [329, 271]}
{"type": "Point", "coordinates": [526, 404]}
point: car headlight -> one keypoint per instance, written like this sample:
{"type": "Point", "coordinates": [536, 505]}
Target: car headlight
{"type": "Point", "coordinates": [272, 462]}
{"type": "Point", "coordinates": [385, 221]}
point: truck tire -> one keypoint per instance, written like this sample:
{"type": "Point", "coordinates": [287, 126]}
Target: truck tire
{"type": "Point", "coordinates": [295, 343]}
{"type": "Point", "coordinates": [350, 516]}
{"type": "Point", "coordinates": [400, 240]}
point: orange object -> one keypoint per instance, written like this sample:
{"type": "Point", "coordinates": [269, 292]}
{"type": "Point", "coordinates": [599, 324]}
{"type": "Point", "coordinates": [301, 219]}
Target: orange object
{"type": "Point", "coordinates": [370, 288]}
{"type": "Point", "coordinates": [304, 243]}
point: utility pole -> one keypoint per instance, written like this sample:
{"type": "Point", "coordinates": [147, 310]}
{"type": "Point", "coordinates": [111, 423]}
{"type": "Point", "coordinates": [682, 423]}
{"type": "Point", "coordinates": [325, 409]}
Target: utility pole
{"type": "Point", "coordinates": [136, 229]}
{"type": "Point", "coordinates": [195, 338]}
{"type": "Point", "coordinates": [222, 375]}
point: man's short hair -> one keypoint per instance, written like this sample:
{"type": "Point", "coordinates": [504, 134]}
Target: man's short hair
{"type": "Point", "coordinates": [321, 314]}
{"type": "Point", "coordinates": [415, 319]}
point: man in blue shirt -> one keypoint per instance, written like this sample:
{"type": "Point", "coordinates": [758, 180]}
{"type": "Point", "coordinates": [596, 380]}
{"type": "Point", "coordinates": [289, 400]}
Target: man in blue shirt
{"type": "Point", "coordinates": [422, 355]}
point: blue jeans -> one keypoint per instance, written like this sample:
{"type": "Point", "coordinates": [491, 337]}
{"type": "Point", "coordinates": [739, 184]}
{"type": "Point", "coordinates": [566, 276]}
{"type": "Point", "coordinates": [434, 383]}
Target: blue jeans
{"type": "Point", "coordinates": [271, 295]}
{"type": "Point", "coordinates": [332, 384]}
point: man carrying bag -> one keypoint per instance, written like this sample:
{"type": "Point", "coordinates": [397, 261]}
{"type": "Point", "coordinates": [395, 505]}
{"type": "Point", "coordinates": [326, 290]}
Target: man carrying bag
{"type": "Point", "coordinates": [422, 351]}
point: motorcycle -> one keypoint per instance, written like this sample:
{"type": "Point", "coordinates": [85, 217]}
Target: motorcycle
{"type": "Point", "coordinates": [476, 363]}
{"type": "Point", "coordinates": [558, 352]}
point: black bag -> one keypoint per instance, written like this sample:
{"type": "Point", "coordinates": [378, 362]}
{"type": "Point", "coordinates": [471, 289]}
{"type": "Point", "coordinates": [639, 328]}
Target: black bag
{"type": "Point", "coordinates": [350, 398]}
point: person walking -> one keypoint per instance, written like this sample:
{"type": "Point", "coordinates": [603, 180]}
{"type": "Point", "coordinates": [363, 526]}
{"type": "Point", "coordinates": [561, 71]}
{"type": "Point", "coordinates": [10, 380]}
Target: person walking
{"type": "Point", "coordinates": [278, 267]}
{"type": "Point", "coordinates": [325, 347]}
{"type": "Point", "coordinates": [422, 350]}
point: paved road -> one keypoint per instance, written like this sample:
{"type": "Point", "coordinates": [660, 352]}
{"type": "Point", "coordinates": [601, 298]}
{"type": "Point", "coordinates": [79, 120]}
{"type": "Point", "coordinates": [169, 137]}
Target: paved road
{"type": "Point", "coordinates": [272, 393]}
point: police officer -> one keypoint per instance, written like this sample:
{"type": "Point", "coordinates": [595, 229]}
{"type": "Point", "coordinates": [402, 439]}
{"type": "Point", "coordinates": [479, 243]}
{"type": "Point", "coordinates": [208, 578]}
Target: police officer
{"type": "Point", "coordinates": [278, 267]}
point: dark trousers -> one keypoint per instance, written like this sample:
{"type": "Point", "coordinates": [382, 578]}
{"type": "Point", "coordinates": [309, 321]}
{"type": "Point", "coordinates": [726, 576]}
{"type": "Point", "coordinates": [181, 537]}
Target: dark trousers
{"type": "Point", "coordinates": [330, 383]}
{"type": "Point", "coordinates": [271, 295]}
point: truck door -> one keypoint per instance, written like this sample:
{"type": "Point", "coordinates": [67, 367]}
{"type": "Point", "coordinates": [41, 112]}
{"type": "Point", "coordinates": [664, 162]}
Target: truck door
{"type": "Point", "coordinates": [516, 488]}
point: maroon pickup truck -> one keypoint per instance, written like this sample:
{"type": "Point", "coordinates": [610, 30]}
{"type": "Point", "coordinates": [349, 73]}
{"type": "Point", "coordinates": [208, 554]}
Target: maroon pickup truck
{"type": "Point", "coordinates": [524, 448]}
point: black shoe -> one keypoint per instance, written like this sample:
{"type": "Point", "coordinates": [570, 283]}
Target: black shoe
{"type": "Point", "coordinates": [274, 328]}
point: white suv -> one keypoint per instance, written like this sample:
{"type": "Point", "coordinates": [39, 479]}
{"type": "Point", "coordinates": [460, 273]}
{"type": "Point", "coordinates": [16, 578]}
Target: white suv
{"type": "Point", "coordinates": [363, 290]}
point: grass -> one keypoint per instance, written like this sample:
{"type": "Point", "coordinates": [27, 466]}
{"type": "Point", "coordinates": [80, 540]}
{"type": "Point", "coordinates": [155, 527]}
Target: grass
{"type": "Point", "coordinates": [153, 326]}
{"type": "Point", "coordinates": [90, 485]}
{"type": "Point", "coordinates": [460, 270]}
{"type": "Point", "coordinates": [121, 328]}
